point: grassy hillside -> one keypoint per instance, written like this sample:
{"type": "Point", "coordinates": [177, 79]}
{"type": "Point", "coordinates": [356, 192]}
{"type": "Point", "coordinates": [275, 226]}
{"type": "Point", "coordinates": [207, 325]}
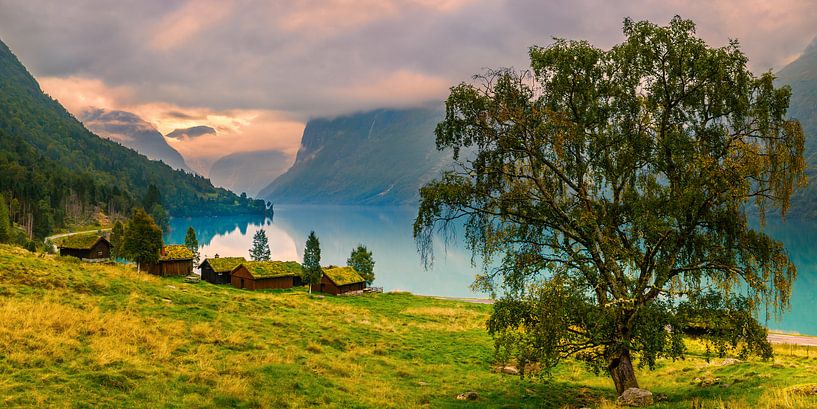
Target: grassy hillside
{"type": "Point", "coordinates": [76, 335]}
{"type": "Point", "coordinates": [380, 157]}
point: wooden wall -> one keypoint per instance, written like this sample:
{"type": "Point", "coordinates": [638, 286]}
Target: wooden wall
{"type": "Point", "coordinates": [241, 278]}
{"type": "Point", "coordinates": [209, 275]}
{"type": "Point", "coordinates": [170, 268]}
{"type": "Point", "coordinates": [327, 286]}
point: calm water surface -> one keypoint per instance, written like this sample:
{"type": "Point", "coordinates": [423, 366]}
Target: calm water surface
{"type": "Point", "coordinates": [387, 232]}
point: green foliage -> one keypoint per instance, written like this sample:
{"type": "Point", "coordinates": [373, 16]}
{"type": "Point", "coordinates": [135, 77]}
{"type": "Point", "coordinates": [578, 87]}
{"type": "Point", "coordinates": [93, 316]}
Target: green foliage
{"type": "Point", "coordinates": [361, 260]}
{"type": "Point", "coordinates": [160, 216]}
{"type": "Point", "coordinates": [312, 261]}
{"type": "Point", "coordinates": [175, 252]}
{"type": "Point", "coordinates": [343, 275]}
{"type": "Point", "coordinates": [152, 198]}
{"type": "Point", "coordinates": [117, 239]}
{"type": "Point", "coordinates": [192, 243]}
{"type": "Point", "coordinates": [143, 239]}
{"type": "Point", "coordinates": [50, 163]}
{"type": "Point", "coordinates": [5, 222]}
{"type": "Point", "coordinates": [612, 183]}
{"type": "Point", "coordinates": [260, 246]}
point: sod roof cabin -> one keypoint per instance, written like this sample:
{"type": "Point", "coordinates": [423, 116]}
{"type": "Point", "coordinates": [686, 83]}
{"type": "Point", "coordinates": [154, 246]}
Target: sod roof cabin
{"type": "Point", "coordinates": [339, 280]}
{"type": "Point", "coordinates": [174, 260]}
{"type": "Point", "coordinates": [86, 246]}
{"type": "Point", "coordinates": [217, 270]}
{"type": "Point", "coordinates": [259, 275]}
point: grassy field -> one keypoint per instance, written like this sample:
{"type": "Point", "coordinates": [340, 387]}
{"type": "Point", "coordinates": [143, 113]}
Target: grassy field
{"type": "Point", "coordinates": [80, 335]}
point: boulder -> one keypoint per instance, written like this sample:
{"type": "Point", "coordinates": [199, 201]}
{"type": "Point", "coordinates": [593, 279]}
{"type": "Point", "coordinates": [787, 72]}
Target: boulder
{"type": "Point", "coordinates": [636, 397]}
{"type": "Point", "coordinates": [468, 396]}
{"type": "Point", "coordinates": [510, 370]}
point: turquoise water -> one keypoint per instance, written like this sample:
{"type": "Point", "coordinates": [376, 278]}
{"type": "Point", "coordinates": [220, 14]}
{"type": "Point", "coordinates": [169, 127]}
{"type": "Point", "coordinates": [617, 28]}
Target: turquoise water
{"type": "Point", "coordinates": [387, 232]}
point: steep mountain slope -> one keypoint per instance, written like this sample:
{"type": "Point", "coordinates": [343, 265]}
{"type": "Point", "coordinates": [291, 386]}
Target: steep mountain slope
{"type": "Point", "coordinates": [374, 158]}
{"type": "Point", "coordinates": [50, 165]}
{"type": "Point", "coordinates": [133, 132]}
{"type": "Point", "coordinates": [801, 75]}
{"type": "Point", "coordinates": [249, 172]}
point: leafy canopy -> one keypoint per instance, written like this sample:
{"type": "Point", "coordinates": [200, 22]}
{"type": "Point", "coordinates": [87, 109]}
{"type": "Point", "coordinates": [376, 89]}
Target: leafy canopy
{"type": "Point", "coordinates": [192, 243]}
{"type": "Point", "coordinates": [361, 260]}
{"type": "Point", "coordinates": [613, 186]}
{"type": "Point", "coordinates": [143, 239]}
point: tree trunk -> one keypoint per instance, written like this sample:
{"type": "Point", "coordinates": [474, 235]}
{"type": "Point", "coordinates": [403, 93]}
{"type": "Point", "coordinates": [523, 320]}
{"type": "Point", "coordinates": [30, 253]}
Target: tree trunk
{"type": "Point", "coordinates": [622, 371]}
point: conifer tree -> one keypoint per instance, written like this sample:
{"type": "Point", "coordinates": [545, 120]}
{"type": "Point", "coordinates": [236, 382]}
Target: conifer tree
{"type": "Point", "coordinates": [260, 246]}
{"type": "Point", "coordinates": [117, 238]}
{"type": "Point", "coordinates": [192, 243]}
{"type": "Point", "coordinates": [5, 224]}
{"type": "Point", "coordinates": [312, 261]}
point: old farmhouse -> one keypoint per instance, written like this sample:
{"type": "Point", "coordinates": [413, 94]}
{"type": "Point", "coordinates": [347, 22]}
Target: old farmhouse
{"type": "Point", "coordinates": [258, 275]}
{"type": "Point", "coordinates": [175, 260]}
{"type": "Point", "coordinates": [85, 246]}
{"type": "Point", "coordinates": [217, 270]}
{"type": "Point", "coordinates": [339, 280]}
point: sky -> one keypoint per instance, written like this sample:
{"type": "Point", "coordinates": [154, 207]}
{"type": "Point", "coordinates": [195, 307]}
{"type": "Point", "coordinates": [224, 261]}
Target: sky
{"type": "Point", "coordinates": [256, 71]}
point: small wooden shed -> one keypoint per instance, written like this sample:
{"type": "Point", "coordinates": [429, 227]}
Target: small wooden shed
{"type": "Point", "coordinates": [217, 270]}
{"type": "Point", "coordinates": [174, 260]}
{"type": "Point", "coordinates": [260, 275]}
{"type": "Point", "coordinates": [339, 280]}
{"type": "Point", "coordinates": [85, 246]}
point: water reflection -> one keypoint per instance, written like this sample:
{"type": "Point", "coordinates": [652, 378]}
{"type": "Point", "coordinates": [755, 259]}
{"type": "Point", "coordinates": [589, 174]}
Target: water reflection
{"type": "Point", "coordinates": [385, 231]}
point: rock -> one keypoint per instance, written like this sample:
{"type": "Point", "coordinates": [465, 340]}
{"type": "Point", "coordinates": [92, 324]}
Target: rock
{"type": "Point", "coordinates": [636, 397]}
{"type": "Point", "coordinates": [421, 383]}
{"type": "Point", "coordinates": [510, 370]}
{"type": "Point", "coordinates": [468, 396]}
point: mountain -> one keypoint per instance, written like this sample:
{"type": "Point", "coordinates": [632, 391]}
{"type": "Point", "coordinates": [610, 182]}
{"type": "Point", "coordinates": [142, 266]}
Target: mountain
{"type": "Point", "coordinates": [133, 132]}
{"type": "Point", "coordinates": [249, 172]}
{"type": "Point", "coordinates": [380, 157]}
{"type": "Point", "coordinates": [801, 75]}
{"type": "Point", "coordinates": [190, 133]}
{"type": "Point", "coordinates": [52, 167]}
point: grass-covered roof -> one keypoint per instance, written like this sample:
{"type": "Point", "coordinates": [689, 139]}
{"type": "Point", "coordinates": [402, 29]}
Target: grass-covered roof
{"type": "Point", "coordinates": [175, 252]}
{"type": "Point", "coordinates": [224, 264]}
{"type": "Point", "coordinates": [272, 269]}
{"type": "Point", "coordinates": [79, 241]}
{"type": "Point", "coordinates": [343, 275]}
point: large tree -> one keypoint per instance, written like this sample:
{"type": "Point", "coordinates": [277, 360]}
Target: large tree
{"type": "Point", "coordinates": [312, 271]}
{"type": "Point", "coordinates": [117, 239]}
{"type": "Point", "coordinates": [142, 242]}
{"type": "Point", "coordinates": [609, 191]}
{"type": "Point", "coordinates": [5, 221]}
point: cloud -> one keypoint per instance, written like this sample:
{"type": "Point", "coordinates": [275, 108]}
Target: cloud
{"type": "Point", "coordinates": [192, 132]}
{"type": "Point", "coordinates": [184, 63]}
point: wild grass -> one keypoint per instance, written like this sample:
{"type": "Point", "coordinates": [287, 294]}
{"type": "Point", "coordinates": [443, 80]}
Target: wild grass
{"type": "Point", "coordinates": [84, 335]}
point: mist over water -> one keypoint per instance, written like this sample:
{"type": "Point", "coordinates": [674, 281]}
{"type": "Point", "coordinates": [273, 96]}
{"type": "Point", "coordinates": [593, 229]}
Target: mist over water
{"type": "Point", "coordinates": [386, 231]}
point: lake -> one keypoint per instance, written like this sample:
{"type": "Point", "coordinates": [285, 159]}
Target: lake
{"type": "Point", "coordinates": [387, 233]}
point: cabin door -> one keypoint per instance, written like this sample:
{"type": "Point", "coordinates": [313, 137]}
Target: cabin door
{"type": "Point", "coordinates": [242, 283]}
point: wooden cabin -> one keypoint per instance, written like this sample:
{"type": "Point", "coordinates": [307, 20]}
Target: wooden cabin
{"type": "Point", "coordinates": [261, 275]}
{"type": "Point", "coordinates": [85, 247]}
{"type": "Point", "coordinates": [174, 260]}
{"type": "Point", "coordinates": [339, 280]}
{"type": "Point", "coordinates": [217, 270]}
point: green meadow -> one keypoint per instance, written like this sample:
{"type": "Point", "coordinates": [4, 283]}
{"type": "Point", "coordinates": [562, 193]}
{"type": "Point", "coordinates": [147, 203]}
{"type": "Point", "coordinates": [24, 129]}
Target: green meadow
{"type": "Point", "coordinates": [81, 335]}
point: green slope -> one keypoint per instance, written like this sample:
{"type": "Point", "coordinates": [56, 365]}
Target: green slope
{"type": "Point", "coordinates": [801, 75]}
{"type": "Point", "coordinates": [50, 163]}
{"type": "Point", "coordinates": [374, 158]}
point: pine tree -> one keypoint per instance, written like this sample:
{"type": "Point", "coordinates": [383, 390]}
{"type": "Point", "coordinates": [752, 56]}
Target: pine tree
{"type": "Point", "coordinates": [5, 224]}
{"type": "Point", "coordinates": [160, 216]}
{"type": "Point", "coordinates": [361, 260]}
{"type": "Point", "coordinates": [143, 239]}
{"type": "Point", "coordinates": [192, 243]}
{"type": "Point", "coordinates": [312, 271]}
{"type": "Point", "coordinates": [117, 238]}
{"type": "Point", "coordinates": [260, 246]}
